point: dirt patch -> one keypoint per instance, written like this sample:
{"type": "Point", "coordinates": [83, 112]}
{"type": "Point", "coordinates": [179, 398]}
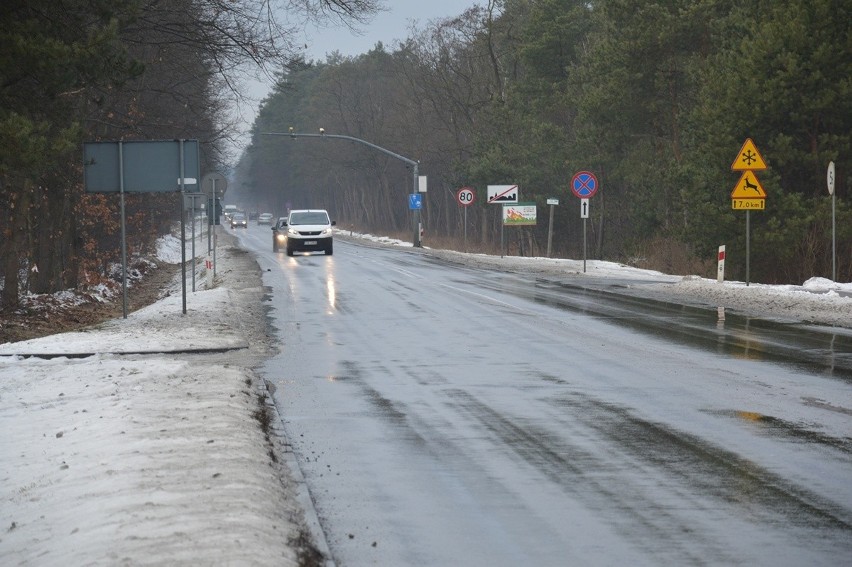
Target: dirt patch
{"type": "Point", "coordinates": [46, 315]}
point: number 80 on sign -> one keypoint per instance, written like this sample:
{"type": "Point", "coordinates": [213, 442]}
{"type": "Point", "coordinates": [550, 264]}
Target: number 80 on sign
{"type": "Point", "coordinates": [465, 196]}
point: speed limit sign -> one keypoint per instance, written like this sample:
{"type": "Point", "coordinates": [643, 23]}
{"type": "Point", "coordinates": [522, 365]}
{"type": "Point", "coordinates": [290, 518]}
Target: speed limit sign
{"type": "Point", "coordinates": [465, 196]}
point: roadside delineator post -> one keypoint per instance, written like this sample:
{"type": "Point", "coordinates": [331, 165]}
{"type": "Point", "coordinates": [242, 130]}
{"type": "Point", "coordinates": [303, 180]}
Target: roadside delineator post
{"type": "Point", "coordinates": [720, 274]}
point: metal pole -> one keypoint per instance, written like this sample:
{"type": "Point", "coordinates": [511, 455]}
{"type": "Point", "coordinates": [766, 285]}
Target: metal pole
{"type": "Point", "coordinates": [584, 245]}
{"type": "Point", "coordinates": [416, 240]}
{"type": "Point", "coordinates": [748, 247]}
{"type": "Point", "coordinates": [550, 231]}
{"type": "Point", "coordinates": [214, 227]}
{"type": "Point", "coordinates": [192, 216]}
{"type": "Point", "coordinates": [502, 225]}
{"type": "Point", "coordinates": [182, 233]}
{"type": "Point", "coordinates": [465, 229]}
{"type": "Point", "coordinates": [833, 242]}
{"type": "Point", "coordinates": [123, 231]}
{"type": "Point", "coordinates": [210, 218]}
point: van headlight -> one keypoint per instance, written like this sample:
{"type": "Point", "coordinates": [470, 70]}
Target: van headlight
{"type": "Point", "coordinates": [292, 232]}
{"type": "Point", "coordinates": [325, 232]}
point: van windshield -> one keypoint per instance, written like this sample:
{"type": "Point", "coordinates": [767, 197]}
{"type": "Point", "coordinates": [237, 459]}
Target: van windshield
{"type": "Point", "coordinates": [309, 217]}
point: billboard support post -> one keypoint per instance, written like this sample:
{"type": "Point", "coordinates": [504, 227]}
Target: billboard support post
{"type": "Point", "coordinates": [123, 231]}
{"type": "Point", "coordinates": [126, 167]}
{"type": "Point", "coordinates": [182, 233]}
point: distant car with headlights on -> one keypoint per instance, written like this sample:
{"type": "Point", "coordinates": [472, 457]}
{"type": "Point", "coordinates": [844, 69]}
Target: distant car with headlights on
{"type": "Point", "coordinates": [264, 218]}
{"type": "Point", "coordinates": [279, 233]}
{"type": "Point", "coordinates": [238, 220]}
{"type": "Point", "coordinates": [304, 230]}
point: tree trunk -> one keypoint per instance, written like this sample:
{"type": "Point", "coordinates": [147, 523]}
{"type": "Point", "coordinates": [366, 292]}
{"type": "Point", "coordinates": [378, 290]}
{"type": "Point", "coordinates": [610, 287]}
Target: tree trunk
{"type": "Point", "coordinates": [13, 250]}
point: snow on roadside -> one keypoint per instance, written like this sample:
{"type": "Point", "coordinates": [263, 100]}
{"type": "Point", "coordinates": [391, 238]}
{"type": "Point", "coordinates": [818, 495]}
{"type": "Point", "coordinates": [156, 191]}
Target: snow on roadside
{"type": "Point", "coordinates": [818, 300]}
{"type": "Point", "coordinates": [147, 459]}
{"type": "Point", "coordinates": [108, 461]}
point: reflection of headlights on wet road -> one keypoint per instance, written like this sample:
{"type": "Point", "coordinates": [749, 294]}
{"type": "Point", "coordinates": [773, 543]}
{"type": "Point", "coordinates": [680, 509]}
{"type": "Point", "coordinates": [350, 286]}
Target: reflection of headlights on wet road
{"type": "Point", "coordinates": [332, 295]}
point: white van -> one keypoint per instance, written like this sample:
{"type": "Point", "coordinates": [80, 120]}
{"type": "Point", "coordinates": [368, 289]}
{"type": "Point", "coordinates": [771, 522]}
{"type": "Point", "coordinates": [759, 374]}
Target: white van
{"type": "Point", "coordinates": [304, 230]}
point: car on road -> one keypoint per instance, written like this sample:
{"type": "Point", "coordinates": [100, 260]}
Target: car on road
{"type": "Point", "coordinates": [304, 230]}
{"type": "Point", "coordinates": [279, 233]}
{"type": "Point", "coordinates": [264, 218]}
{"type": "Point", "coordinates": [238, 220]}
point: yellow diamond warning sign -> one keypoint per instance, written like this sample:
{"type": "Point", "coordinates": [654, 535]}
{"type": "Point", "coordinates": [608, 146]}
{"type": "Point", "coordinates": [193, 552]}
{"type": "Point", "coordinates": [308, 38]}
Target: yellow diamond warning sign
{"type": "Point", "coordinates": [748, 187]}
{"type": "Point", "coordinates": [749, 159]}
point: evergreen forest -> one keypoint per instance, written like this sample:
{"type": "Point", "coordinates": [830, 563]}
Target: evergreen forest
{"type": "Point", "coordinates": [656, 98]}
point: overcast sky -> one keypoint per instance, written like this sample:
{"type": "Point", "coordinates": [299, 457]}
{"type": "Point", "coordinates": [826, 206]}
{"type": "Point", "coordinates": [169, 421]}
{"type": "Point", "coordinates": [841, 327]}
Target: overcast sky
{"type": "Point", "coordinates": [386, 27]}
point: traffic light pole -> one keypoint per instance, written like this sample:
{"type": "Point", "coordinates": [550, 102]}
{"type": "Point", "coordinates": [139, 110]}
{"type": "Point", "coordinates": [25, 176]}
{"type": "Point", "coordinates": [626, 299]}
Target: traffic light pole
{"type": "Point", "coordinates": [414, 165]}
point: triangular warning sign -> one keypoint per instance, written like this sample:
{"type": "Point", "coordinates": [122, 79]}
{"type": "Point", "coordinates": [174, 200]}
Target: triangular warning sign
{"type": "Point", "coordinates": [749, 158]}
{"type": "Point", "coordinates": [748, 187]}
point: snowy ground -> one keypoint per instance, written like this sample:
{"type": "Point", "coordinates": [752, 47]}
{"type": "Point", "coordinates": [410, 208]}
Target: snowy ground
{"type": "Point", "coordinates": [156, 458]}
{"type": "Point", "coordinates": [157, 455]}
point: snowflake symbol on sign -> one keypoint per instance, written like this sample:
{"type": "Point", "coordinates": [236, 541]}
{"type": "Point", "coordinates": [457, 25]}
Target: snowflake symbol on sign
{"type": "Point", "coordinates": [749, 157]}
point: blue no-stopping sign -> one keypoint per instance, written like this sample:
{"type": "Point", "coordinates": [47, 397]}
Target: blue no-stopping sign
{"type": "Point", "coordinates": [584, 184]}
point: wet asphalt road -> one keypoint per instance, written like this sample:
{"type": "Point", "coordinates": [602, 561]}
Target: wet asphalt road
{"type": "Point", "coordinates": [451, 416]}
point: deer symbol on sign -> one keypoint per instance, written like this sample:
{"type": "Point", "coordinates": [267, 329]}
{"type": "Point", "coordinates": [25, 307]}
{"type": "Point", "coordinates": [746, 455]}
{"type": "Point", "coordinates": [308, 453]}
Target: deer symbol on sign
{"type": "Point", "coordinates": [747, 185]}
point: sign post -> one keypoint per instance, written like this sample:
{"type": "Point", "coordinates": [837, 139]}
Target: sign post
{"type": "Point", "coordinates": [748, 193]}
{"type": "Point", "coordinates": [213, 185]}
{"type": "Point", "coordinates": [194, 199]}
{"type": "Point", "coordinates": [584, 185]}
{"type": "Point", "coordinates": [415, 203]}
{"type": "Point", "coordinates": [552, 203]}
{"type": "Point", "coordinates": [418, 216]}
{"type": "Point", "coordinates": [830, 182]}
{"type": "Point", "coordinates": [465, 197]}
{"type": "Point", "coordinates": [502, 194]}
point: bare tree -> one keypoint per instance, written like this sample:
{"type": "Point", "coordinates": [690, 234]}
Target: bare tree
{"type": "Point", "coordinates": [74, 70]}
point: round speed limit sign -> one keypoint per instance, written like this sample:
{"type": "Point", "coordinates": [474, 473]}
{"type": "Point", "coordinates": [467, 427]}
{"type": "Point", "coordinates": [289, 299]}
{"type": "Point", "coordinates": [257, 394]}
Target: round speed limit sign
{"type": "Point", "coordinates": [465, 196]}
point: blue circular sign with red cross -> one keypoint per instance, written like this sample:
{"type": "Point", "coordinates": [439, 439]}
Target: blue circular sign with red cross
{"type": "Point", "coordinates": [584, 184]}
